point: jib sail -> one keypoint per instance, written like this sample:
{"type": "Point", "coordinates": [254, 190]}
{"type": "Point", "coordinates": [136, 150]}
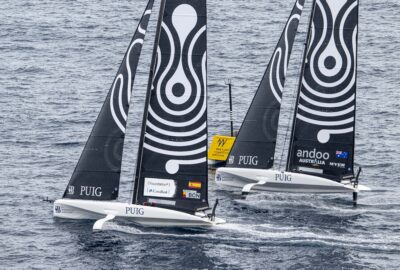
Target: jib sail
{"type": "Point", "coordinates": [172, 165]}
{"type": "Point", "coordinates": [322, 139]}
{"type": "Point", "coordinates": [97, 174]}
{"type": "Point", "coordinates": [254, 146]}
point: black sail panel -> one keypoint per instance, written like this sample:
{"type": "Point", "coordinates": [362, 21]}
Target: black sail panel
{"type": "Point", "coordinates": [254, 146]}
{"type": "Point", "coordinates": [322, 140]}
{"type": "Point", "coordinates": [97, 174]}
{"type": "Point", "coordinates": [172, 166]}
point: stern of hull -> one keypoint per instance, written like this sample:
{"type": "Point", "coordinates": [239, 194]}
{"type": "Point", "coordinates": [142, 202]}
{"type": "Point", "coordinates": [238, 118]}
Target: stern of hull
{"type": "Point", "coordinates": [277, 181]}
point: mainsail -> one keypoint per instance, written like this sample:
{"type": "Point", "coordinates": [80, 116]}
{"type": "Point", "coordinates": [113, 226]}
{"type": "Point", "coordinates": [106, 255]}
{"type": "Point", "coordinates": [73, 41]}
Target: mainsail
{"type": "Point", "coordinates": [97, 174]}
{"type": "Point", "coordinates": [322, 139]}
{"type": "Point", "coordinates": [171, 170]}
{"type": "Point", "coordinates": [255, 144]}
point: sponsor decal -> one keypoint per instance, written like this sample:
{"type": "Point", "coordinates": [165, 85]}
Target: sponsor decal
{"type": "Point", "coordinates": [71, 190]}
{"type": "Point", "coordinates": [231, 159]}
{"type": "Point", "coordinates": [312, 156]}
{"type": "Point", "coordinates": [191, 194]}
{"type": "Point", "coordinates": [91, 191]}
{"type": "Point", "coordinates": [220, 147]}
{"type": "Point", "coordinates": [282, 177]}
{"type": "Point", "coordinates": [163, 188]}
{"type": "Point", "coordinates": [337, 165]}
{"type": "Point", "coordinates": [248, 160]}
{"type": "Point", "coordinates": [158, 201]}
{"type": "Point", "coordinates": [342, 154]}
{"type": "Point", "coordinates": [218, 177]}
{"type": "Point", "coordinates": [310, 170]}
{"type": "Point", "coordinates": [136, 211]}
{"type": "Point", "coordinates": [221, 142]}
{"type": "Point", "coordinates": [195, 185]}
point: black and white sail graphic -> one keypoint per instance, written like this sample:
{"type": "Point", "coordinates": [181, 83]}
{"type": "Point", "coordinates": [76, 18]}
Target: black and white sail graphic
{"type": "Point", "coordinates": [255, 144]}
{"type": "Point", "coordinates": [323, 131]}
{"type": "Point", "coordinates": [97, 174]}
{"type": "Point", "coordinates": [172, 165]}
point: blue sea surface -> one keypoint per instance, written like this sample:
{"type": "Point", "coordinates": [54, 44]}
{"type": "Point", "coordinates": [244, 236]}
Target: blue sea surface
{"type": "Point", "coordinates": [58, 59]}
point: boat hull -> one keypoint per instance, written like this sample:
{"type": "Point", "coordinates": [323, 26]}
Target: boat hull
{"type": "Point", "coordinates": [138, 214]}
{"type": "Point", "coordinates": [278, 181]}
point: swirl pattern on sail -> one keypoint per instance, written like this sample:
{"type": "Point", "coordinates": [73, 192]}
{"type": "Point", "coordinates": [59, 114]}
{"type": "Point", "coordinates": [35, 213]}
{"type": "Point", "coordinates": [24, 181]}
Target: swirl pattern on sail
{"type": "Point", "coordinates": [122, 86]}
{"type": "Point", "coordinates": [327, 97]}
{"type": "Point", "coordinates": [323, 131]}
{"type": "Point", "coordinates": [172, 165]}
{"type": "Point", "coordinates": [254, 146]}
{"type": "Point", "coordinates": [280, 58]}
{"type": "Point", "coordinates": [176, 124]}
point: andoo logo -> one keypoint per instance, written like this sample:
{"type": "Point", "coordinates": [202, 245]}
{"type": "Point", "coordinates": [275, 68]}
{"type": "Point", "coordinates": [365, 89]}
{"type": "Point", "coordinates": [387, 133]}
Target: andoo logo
{"type": "Point", "coordinates": [312, 156]}
{"type": "Point", "coordinates": [91, 191]}
{"type": "Point", "coordinates": [57, 209]}
{"type": "Point", "coordinates": [221, 142]}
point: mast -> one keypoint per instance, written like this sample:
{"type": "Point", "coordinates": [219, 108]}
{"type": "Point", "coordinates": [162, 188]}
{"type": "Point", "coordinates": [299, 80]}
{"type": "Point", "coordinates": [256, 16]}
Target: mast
{"type": "Point", "coordinates": [97, 174]}
{"type": "Point", "coordinates": [255, 143]}
{"type": "Point", "coordinates": [229, 83]}
{"type": "Point", "coordinates": [147, 101]}
{"type": "Point", "coordinates": [172, 163]}
{"type": "Point", "coordinates": [322, 141]}
{"type": "Point", "coordinates": [301, 76]}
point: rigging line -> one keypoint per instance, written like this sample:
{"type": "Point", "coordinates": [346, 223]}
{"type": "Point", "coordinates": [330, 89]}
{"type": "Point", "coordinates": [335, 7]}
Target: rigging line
{"type": "Point", "coordinates": [161, 11]}
{"type": "Point", "coordinates": [292, 105]}
{"type": "Point", "coordinates": [139, 159]}
{"type": "Point", "coordinates": [292, 117]}
{"type": "Point", "coordinates": [303, 66]}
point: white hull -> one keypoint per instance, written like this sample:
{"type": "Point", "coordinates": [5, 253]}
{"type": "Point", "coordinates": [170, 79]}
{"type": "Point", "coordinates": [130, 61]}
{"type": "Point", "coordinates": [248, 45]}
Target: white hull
{"type": "Point", "coordinates": [138, 214]}
{"type": "Point", "coordinates": [277, 181]}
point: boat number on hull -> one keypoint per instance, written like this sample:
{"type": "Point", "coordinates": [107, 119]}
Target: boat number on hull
{"type": "Point", "coordinates": [57, 209]}
{"type": "Point", "coordinates": [281, 177]}
{"type": "Point", "coordinates": [136, 211]}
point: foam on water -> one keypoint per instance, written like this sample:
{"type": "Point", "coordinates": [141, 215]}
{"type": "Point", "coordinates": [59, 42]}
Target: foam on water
{"type": "Point", "coordinates": [263, 234]}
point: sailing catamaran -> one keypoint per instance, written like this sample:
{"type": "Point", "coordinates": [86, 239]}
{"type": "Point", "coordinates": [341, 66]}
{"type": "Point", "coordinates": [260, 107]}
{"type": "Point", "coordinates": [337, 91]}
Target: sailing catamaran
{"type": "Point", "coordinates": [321, 151]}
{"type": "Point", "coordinates": [171, 172]}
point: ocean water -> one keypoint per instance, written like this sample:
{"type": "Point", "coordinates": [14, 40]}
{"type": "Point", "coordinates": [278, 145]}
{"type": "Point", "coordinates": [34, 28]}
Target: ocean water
{"type": "Point", "coordinates": [58, 59]}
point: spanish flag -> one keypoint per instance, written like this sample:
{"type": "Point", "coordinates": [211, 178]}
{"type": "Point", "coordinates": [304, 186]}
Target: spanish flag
{"type": "Point", "coordinates": [195, 185]}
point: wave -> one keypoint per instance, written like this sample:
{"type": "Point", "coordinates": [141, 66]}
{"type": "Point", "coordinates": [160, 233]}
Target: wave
{"type": "Point", "coordinates": [265, 235]}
